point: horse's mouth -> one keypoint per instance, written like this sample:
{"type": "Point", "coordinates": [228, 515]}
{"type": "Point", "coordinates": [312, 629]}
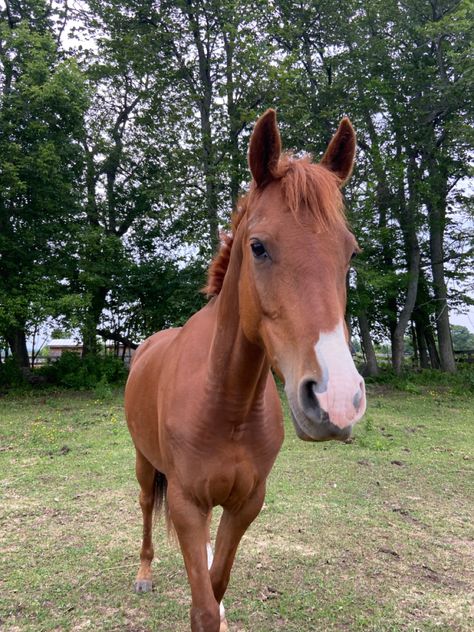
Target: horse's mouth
{"type": "Point", "coordinates": [322, 430]}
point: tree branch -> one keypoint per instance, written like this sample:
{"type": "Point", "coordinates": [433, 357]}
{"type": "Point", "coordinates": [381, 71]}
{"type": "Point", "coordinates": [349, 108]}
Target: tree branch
{"type": "Point", "coordinates": [106, 334]}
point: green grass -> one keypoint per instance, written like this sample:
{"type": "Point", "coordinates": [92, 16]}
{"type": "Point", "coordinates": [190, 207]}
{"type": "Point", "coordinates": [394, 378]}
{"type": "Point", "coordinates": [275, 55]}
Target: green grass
{"type": "Point", "coordinates": [375, 534]}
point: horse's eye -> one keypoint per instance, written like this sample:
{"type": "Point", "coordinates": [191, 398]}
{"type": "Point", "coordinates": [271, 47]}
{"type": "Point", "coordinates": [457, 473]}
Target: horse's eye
{"type": "Point", "coordinates": [258, 250]}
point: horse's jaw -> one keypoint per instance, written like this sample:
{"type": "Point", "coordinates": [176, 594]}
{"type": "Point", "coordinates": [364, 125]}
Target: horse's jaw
{"type": "Point", "coordinates": [312, 430]}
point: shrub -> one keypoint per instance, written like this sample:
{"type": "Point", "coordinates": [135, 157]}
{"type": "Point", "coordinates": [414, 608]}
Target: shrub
{"type": "Point", "coordinates": [413, 381]}
{"type": "Point", "coordinates": [10, 374]}
{"type": "Point", "coordinates": [72, 371]}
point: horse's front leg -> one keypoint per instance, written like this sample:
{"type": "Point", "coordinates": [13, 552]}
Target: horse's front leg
{"type": "Point", "coordinates": [191, 524]}
{"type": "Point", "coordinates": [234, 523]}
{"type": "Point", "coordinates": [210, 559]}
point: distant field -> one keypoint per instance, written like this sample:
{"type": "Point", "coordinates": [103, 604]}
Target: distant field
{"type": "Point", "coordinates": [376, 534]}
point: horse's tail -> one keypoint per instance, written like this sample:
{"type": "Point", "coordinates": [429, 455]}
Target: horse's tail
{"type": "Point", "coordinates": [161, 500]}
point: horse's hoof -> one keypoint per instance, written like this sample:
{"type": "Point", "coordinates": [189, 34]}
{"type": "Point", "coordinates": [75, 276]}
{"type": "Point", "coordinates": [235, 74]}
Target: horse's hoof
{"type": "Point", "coordinates": [143, 585]}
{"type": "Point", "coordinates": [223, 627]}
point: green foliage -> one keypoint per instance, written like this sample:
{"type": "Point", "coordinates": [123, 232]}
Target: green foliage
{"type": "Point", "coordinates": [57, 333]}
{"type": "Point", "coordinates": [370, 438]}
{"type": "Point", "coordinates": [463, 339]}
{"type": "Point", "coordinates": [102, 389]}
{"type": "Point", "coordinates": [42, 105]}
{"type": "Point", "coordinates": [419, 381]}
{"type": "Point", "coordinates": [160, 294]}
{"type": "Point", "coordinates": [10, 374]}
{"type": "Point", "coordinates": [72, 371]}
{"type": "Point", "coordinates": [119, 161]}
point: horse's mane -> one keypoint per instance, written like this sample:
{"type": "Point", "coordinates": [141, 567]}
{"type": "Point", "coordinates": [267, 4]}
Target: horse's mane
{"type": "Point", "coordinates": [304, 185]}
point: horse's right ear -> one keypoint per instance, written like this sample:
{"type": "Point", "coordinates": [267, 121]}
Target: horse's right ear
{"type": "Point", "coordinates": [264, 148]}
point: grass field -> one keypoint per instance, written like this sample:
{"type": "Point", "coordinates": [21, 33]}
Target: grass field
{"type": "Point", "coordinates": [375, 534]}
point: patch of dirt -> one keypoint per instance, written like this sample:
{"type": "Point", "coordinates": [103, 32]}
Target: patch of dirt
{"type": "Point", "coordinates": [263, 543]}
{"type": "Point", "coordinates": [82, 625]}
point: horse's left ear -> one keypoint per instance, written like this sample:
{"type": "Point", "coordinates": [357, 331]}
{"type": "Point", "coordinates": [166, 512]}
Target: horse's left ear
{"type": "Point", "coordinates": [339, 156]}
{"type": "Point", "coordinates": [264, 148]}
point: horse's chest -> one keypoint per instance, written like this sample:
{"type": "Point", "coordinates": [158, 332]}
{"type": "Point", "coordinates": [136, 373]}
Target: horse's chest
{"type": "Point", "coordinates": [226, 478]}
{"type": "Point", "coordinates": [227, 465]}
{"type": "Point", "coordinates": [235, 483]}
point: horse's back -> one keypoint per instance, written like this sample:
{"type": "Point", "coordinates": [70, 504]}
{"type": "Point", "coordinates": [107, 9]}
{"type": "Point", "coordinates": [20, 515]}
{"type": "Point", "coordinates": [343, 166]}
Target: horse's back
{"type": "Point", "coordinates": [141, 392]}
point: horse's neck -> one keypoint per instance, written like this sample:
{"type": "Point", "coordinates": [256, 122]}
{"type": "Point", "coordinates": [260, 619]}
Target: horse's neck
{"type": "Point", "coordinates": [234, 362]}
{"type": "Point", "coordinates": [238, 368]}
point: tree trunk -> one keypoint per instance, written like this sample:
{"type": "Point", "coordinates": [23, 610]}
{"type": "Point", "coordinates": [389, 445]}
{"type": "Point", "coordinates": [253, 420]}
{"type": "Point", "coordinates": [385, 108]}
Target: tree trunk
{"type": "Point", "coordinates": [405, 315]}
{"type": "Point", "coordinates": [436, 201]}
{"type": "Point", "coordinates": [372, 367]}
{"type": "Point", "coordinates": [415, 344]}
{"type": "Point", "coordinates": [424, 330]}
{"type": "Point", "coordinates": [443, 329]}
{"type": "Point", "coordinates": [385, 201]}
{"type": "Point", "coordinates": [432, 348]}
{"type": "Point", "coordinates": [422, 344]}
{"type": "Point", "coordinates": [17, 341]}
{"type": "Point", "coordinates": [205, 103]}
{"type": "Point", "coordinates": [407, 207]}
{"type": "Point", "coordinates": [90, 344]}
{"type": "Point", "coordinates": [234, 119]}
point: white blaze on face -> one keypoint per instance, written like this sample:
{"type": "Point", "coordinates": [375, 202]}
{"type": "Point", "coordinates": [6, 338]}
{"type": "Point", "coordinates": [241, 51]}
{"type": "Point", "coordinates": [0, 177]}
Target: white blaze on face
{"type": "Point", "coordinates": [342, 392]}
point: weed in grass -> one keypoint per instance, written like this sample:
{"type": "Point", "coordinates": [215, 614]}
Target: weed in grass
{"type": "Point", "coordinates": [103, 390]}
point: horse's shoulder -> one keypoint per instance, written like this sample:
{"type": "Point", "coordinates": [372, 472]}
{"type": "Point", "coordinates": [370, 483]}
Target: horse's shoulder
{"type": "Point", "coordinates": [156, 342]}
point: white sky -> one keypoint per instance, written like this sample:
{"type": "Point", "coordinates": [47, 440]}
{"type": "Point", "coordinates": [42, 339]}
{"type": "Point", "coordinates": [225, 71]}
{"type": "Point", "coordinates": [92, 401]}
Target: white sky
{"type": "Point", "coordinates": [467, 320]}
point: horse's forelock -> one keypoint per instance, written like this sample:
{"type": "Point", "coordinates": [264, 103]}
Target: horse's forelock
{"type": "Point", "coordinates": [314, 188]}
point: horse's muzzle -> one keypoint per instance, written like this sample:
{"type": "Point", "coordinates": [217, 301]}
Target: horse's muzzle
{"type": "Point", "coordinates": [313, 423]}
{"type": "Point", "coordinates": [323, 430]}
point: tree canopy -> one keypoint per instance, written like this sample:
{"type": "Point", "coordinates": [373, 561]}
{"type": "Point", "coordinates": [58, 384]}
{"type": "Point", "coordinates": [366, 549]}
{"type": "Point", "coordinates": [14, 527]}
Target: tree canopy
{"type": "Point", "coordinates": [123, 138]}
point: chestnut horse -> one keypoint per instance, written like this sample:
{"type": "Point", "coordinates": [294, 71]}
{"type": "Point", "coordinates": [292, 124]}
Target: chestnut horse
{"type": "Point", "coordinates": [201, 402]}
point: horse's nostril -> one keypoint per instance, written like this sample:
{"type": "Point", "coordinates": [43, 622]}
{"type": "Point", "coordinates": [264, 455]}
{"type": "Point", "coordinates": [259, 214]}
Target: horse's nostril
{"type": "Point", "coordinates": [357, 400]}
{"type": "Point", "coordinates": [309, 401]}
{"type": "Point", "coordinates": [311, 388]}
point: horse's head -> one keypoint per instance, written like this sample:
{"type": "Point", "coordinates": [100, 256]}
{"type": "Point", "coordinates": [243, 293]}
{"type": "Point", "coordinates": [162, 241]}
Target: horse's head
{"type": "Point", "coordinates": [296, 251]}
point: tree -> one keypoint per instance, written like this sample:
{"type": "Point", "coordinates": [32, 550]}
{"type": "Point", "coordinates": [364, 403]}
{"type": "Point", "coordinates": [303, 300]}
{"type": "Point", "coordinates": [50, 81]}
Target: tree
{"type": "Point", "coordinates": [397, 70]}
{"type": "Point", "coordinates": [142, 128]}
{"type": "Point", "coordinates": [217, 63]}
{"type": "Point", "coordinates": [463, 339]}
{"type": "Point", "coordinates": [41, 108]}
{"type": "Point", "coordinates": [121, 178]}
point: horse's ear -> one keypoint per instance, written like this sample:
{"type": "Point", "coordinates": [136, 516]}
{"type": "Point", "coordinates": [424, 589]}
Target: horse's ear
{"type": "Point", "coordinates": [264, 148]}
{"type": "Point", "coordinates": [339, 156]}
